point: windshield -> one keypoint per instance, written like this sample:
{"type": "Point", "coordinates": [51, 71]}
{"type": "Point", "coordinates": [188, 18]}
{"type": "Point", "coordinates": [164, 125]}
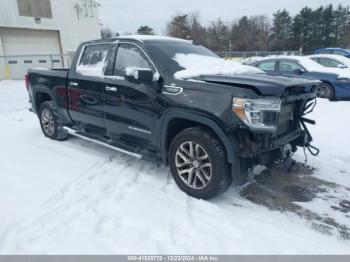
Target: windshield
{"type": "Point", "coordinates": [185, 60]}
{"type": "Point", "coordinates": [165, 52]}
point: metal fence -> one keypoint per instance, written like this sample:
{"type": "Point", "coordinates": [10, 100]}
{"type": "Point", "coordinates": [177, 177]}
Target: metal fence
{"type": "Point", "coordinates": [16, 66]}
{"type": "Point", "coordinates": [247, 54]}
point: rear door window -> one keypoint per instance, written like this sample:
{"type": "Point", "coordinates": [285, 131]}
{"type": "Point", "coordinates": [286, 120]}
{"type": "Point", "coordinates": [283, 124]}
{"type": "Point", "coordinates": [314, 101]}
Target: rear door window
{"type": "Point", "coordinates": [327, 62]}
{"type": "Point", "coordinates": [93, 60]}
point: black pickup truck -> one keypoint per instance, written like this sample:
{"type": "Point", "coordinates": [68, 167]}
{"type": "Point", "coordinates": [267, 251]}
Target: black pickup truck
{"type": "Point", "coordinates": [134, 94]}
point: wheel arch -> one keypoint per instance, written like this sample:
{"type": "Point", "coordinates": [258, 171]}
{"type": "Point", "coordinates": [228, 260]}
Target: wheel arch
{"type": "Point", "coordinates": [327, 82]}
{"type": "Point", "coordinates": [187, 119]}
{"type": "Point", "coordinates": [40, 97]}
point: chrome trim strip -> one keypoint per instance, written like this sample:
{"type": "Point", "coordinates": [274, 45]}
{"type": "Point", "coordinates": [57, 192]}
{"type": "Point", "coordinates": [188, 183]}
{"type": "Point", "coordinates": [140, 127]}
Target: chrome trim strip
{"type": "Point", "coordinates": [74, 133]}
{"type": "Point", "coordinates": [73, 84]}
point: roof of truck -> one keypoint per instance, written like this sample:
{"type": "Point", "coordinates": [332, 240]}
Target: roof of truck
{"type": "Point", "coordinates": [150, 38]}
{"type": "Point", "coordinates": [138, 38]}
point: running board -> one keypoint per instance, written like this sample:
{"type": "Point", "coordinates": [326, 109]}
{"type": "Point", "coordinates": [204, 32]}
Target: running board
{"type": "Point", "coordinates": [75, 133]}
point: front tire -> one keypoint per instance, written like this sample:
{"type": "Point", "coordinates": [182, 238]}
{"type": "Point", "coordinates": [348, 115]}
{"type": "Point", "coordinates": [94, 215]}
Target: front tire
{"type": "Point", "coordinates": [326, 91]}
{"type": "Point", "coordinates": [199, 164]}
{"type": "Point", "coordinates": [50, 123]}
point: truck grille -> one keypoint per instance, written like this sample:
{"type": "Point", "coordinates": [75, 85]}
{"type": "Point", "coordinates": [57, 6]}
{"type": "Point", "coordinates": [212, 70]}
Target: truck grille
{"type": "Point", "coordinates": [285, 121]}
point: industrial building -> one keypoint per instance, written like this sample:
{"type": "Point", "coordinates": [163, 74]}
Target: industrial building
{"type": "Point", "coordinates": [43, 33]}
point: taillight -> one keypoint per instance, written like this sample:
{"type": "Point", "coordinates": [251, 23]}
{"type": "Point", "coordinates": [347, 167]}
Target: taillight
{"type": "Point", "coordinates": [26, 80]}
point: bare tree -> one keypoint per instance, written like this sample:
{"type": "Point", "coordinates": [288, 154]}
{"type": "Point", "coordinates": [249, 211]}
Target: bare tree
{"type": "Point", "coordinates": [218, 36]}
{"type": "Point", "coordinates": [198, 32]}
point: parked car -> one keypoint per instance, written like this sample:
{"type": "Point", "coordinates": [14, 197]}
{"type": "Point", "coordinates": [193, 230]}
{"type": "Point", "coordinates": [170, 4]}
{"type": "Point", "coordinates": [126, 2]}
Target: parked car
{"type": "Point", "coordinates": [251, 60]}
{"type": "Point", "coordinates": [146, 96]}
{"type": "Point", "coordinates": [333, 51]}
{"type": "Point", "coordinates": [335, 81]}
{"type": "Point", "coordinates": [332, 61]}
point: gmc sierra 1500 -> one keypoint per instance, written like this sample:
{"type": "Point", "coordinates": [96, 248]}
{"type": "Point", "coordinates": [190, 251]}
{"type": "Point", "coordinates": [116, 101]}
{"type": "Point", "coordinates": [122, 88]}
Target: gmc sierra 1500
{"type": "Point", "coordinates": [140, 95]}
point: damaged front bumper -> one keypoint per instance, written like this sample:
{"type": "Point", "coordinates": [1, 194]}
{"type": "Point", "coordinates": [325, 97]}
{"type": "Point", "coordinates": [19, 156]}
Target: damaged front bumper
{"type": "Point", "coordinates": [273, 149]}
{"type": "Point", "coordinates": [292, 132]}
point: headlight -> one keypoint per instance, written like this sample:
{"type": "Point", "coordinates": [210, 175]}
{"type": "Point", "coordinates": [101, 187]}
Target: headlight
{"type": "Point", "coordinates": [343, 80]}
{"type": "Point", "coordinates": [258, 114]}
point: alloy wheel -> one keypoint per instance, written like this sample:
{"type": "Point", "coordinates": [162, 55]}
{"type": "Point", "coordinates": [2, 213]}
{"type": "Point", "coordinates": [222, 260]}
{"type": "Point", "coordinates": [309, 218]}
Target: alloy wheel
{"type": "Point", "coordinates": [48, 122]}
{"type": "Point", "coordinates": [326, 92]}
{"type": "Point", "coordinates": [193, 165]}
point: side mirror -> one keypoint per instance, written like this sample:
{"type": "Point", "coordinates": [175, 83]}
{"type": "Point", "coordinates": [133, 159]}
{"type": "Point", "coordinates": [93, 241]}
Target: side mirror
{"type": "Point", "coordinates": [299, 71]}
{"type": "Point", "coordinates": [341, 66]}
{"type": "Point", "coordinates": [139, 74]}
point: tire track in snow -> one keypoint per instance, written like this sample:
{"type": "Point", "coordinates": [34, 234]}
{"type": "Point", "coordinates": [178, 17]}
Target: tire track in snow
{"type": "Point", "coordinates": [113, 201]}
{"type": "Point", "coordinates": [58, 196]}
{"type": "Point", "coordinates": [100, 175]}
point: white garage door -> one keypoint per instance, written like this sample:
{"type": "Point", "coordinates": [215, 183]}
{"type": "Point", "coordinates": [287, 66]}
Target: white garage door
{"type": "Point", "coordinates": [25, 48]}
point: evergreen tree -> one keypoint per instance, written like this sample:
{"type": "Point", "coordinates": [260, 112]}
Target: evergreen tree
{"type": "Point", "coordinates": [302, 29]}
{"type": "Point", "coordinates": [281, 30]}
{"type": "Point", "coordinates": [260, 31]}
{"type": "Point", "coordinates": [240, 36]}
{"type": "Point", "coordinates": [342, 26]}
{"type": "Point", "coordinates": [218, 36]}
{"type": "Point", "coordinates": [179, 27]}
{"type": "Point", "coordinates": [145, 30]}
{"type": "Point", "coordinates": [328, 30]}
{"type": "Point", "coordinates": [249, 34]}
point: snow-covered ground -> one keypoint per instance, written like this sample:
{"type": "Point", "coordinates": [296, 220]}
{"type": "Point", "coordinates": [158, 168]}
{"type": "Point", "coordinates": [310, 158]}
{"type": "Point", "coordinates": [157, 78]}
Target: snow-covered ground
{"type": "Point", "coordinates": [76, 197]}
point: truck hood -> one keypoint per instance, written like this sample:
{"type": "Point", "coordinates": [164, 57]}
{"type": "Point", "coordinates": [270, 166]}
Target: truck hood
{"type": "Point", "coordinates": [264, 84]}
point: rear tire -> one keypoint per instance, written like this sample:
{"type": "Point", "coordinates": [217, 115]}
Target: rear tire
{"type": "Point", "coordinates": [50, 122]}
{"type": "Point", "coordinates": [199, 164]}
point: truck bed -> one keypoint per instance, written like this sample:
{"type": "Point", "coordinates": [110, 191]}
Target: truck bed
{"type": "Point", "coordinates": [52, 84]}
{"type": "Point", "coordinates": [56, 72]}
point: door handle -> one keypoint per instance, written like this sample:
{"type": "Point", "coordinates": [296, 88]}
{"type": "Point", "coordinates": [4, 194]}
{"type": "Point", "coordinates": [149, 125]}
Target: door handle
{"type": "Point", "coordinates": [111, 89]}
{"type": "Point", "coordinates": [89, 100]}
{"type": "Point", "coordinates": [73, 84]}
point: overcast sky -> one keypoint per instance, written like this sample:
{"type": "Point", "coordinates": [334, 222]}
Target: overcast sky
{"type": "Point", "coordinates": [125, 16]}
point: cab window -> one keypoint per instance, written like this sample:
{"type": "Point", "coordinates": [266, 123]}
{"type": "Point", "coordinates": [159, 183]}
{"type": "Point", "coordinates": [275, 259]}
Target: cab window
{"type": "Point", "coordinates": [93, 59]}
{"type": "Point", "coordinates": [94, 55]}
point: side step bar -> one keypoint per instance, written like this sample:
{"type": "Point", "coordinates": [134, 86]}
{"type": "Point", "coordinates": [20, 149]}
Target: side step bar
{"type": "Point", "coordinates": [75, 133]}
